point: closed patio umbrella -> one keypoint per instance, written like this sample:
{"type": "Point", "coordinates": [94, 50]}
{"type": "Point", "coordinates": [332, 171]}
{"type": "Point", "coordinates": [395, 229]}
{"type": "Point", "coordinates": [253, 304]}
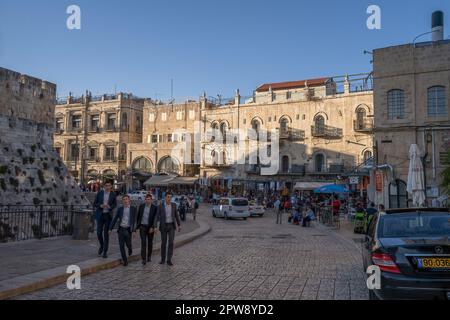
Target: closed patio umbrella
{"type": "Point", "coordinates": [416, 186]}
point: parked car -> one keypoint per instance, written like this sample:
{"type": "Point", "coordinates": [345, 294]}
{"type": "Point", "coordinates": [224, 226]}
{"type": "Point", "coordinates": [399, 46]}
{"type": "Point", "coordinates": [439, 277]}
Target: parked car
{"type": "Point", "coordinates": [412, 249]}
{"type": "Point", "coordinates": [231, 208]}
{"type": "Point", "coordinates": [138, 195]}
{"type": "Point", "coordinates": [256, 209]}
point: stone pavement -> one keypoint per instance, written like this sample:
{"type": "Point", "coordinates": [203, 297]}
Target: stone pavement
{"type": "Point", "coordinates": [253, 259]}
{"type": "Point", "coordinates": [36, 262]}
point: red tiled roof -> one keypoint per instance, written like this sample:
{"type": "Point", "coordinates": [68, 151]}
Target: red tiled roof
{"type": "Point", "coordinates": [292, 84]}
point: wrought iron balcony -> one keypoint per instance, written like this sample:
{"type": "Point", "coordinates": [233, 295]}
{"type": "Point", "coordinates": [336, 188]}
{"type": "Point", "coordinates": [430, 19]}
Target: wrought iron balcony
{"type": "Point", "coordinates": [326, 132]}
{"type": "Point", "coordinates": [292, 134]}
{"type": "Point", "coordinates": [365, 125]}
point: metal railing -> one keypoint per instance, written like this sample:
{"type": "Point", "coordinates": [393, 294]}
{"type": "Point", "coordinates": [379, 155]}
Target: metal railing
{"type": "Point", "coordinates": [326, 132]}
{"type": "Point", "coordinates": [325, 216]}
{"type": "Point", "coordinates": [292, 134]}
{"type": "Point", "coordinates": [24, 222]}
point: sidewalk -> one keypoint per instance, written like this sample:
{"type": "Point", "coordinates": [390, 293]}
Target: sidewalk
{"type": "Point", "coordinates": [36, 264]}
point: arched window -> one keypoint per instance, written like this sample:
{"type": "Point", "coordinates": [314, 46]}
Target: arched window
{"type": "Point", "coordinates": [319, 163]}
{"type": "Point", "coordinates": [224, 157]}
{"type": "Point", "coordinates": [284, 125]}
{"type": "Point", "coordinates": [124, 122]}
{"type": "Point", "coordinates": [256, 125]}
{"type": "Point", "coordinates": [142, 165]}
{"type": "Point", "coordinates": [396, 104]}
{"type": "Point", "coordinates": [367, 156]}
{"type": "Point", "coordinates": [168, 165]}
{"type": "Point", "coordinates": [360, 118]}
{"type": "Point", "coordinates": [285, 166]}
{"type": "Point", "coordinates": [436, 102]}
{"type": "Point", "coordinates": [223, 131]}
{"type": "Point", "coordinates": [398, 196]}
{"type": "Point", "coordinates": [320, 125]}
{"type": "Point", "coordinates": [214, 158]}
{"type": "Point", "coordinates": [215, 131]}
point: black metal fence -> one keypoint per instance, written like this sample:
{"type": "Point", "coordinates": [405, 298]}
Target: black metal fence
{"type": "Point", "coordinates": [21, 222]}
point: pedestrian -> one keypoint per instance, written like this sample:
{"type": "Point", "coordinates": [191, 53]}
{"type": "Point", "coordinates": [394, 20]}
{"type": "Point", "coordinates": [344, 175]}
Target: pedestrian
{"type": "Point", "coordinates": [145, 221]}
{"type": "Point", "coordinates": [104, 204]}
{"type": "Point", "coordinates": [126, 216]}
{"type": "Point", "coordinates": [336, 205]}
{"type": "Point", "coordinates": [308, 216]}
{"type": "Point", "coordinates": [278, 207]}
{"type": "Point", "coordinates": [381, 209]}
{"type": "Point", "coordinates": [169, 221]}
{"type": "Point", "coordinates": [182, 209]}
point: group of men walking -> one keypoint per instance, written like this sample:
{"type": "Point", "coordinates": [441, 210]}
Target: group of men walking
{"type": "Point", "coordinates": [130, 219]}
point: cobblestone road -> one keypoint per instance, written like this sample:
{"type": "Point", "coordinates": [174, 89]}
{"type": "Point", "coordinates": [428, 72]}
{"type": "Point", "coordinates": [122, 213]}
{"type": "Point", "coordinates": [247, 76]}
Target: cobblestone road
{"type": "Point", "coordinates": [253, 259]}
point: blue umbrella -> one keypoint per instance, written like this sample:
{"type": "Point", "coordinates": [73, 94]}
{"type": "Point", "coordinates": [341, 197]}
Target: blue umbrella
{"type": "Point", "coordinates": [332, 188]}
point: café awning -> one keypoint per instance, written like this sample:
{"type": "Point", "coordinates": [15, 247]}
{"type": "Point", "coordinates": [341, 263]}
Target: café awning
{"type": "Point", "coordinates": [159, 181]}
{"type": "Point", "coordinates": [306, 186]}
{"type": "Point", "coordinates": [183, 181]}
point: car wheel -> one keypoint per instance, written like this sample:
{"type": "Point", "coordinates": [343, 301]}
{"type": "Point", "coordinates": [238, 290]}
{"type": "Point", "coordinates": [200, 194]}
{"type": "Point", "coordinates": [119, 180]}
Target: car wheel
{"type": "Point", "coordinates": [261, 215]}
{"type": "Point", "coordinates": [245, 218]}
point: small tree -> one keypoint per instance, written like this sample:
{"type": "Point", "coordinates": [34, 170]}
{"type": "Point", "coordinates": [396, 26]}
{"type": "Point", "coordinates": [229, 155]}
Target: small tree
{"type": "Point", "coordinates": [446, 175]}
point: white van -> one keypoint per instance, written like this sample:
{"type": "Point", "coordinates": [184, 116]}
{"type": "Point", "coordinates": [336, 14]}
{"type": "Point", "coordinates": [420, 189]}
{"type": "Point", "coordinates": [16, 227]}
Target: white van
{"type": "Point", "coordinates": [231, 208]}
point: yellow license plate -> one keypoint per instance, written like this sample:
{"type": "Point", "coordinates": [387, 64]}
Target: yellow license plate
{"type": "Point", "coordinates": [434, 263]}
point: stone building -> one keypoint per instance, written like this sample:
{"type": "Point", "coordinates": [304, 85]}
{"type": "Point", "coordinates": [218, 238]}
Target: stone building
{"type": "Point", "coordinates": [31, 172]}
{"type": "Point", "coordinates": [166, 126]}
{"type": "Point", "coordinates": [92, 134]}
{"type": "Point", "coordinates": [324, 125]}
{"type": "Point", "coordinates": [411, 95]}
{"type": "Point", "coordinates": [325, 128]}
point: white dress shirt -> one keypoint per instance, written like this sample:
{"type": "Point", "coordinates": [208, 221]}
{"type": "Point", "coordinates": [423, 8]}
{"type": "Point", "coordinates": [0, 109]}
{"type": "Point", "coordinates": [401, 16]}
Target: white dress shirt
{"type": "Point", "coordinates": [105, 201]}
{"type": "Point", "coordinates": [168, 212]}
{"type": "Point", "coordinates": [125, 218]}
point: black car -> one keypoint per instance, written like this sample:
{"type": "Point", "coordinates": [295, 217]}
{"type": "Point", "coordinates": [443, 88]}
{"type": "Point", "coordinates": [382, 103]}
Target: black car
{"type": "Point", "coordinates": [412, 249]}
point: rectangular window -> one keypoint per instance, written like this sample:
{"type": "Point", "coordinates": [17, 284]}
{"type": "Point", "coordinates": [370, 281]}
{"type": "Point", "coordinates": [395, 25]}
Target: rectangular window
{"type": "Point", "coordinates": [154, 138]}
{"type": "Point", "coordinates": [151, 117]}
{"type": "Point", "coordinates": [76, 122]}
{"type": "Point", "coordinates": [93, 153]}
{"type": "Point", "coordinates": [175, 137]}
{"type": "Point", "coordinates": [111, 122]}
{"type": "Point", "coordinates": [59, 124]}
{"type": "Point", "coordinates": [169, 137]}
{"type": "Point", "coordinates": [95, 122]}
{"type": "Point", "coordinates": [109, 153]}
{"type": "Point", "coordinates": [396, 104]}
{"type": "Point", "coordinates": [179, 115]}
{"type": "Point", "coordinates": [436, 102]}
{"type": "Point", "coordinates": [164, 116]}
{"type": "Point", "coordinates": [138, 124]}
{"type": "Point", "coordinates": [270, 119]}
{"type": "Point", "coordinates": [74, 151]}
{"type": "Point", "coordinates": [288, 95]}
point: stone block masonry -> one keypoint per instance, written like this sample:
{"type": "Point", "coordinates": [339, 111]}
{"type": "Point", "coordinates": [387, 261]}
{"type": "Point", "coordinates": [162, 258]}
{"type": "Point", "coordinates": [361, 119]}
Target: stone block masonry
{"type": "Point", "coordinates": [31, 172]}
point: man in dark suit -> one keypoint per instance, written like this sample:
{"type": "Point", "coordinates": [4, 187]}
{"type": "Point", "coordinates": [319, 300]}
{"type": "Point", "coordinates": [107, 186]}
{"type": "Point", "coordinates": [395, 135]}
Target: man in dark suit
{"type": "Point", "coordinates": [145, 221]}
{"type": "Point", "coordinates": [104, 204]}
{"type": "Point", "coordinates": [126, 216]}
{"type": "Point", "coordinates": [169, 220]}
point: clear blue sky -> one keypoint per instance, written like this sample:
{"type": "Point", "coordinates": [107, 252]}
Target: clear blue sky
{"type": "Point", "coordinates": [204, 45]}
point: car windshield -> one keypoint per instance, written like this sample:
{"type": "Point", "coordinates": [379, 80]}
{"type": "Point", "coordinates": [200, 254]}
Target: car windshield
{"type": "Point", "coordinates": [414, 224]}
{"type": "Point", "coordinates": [239, 202]}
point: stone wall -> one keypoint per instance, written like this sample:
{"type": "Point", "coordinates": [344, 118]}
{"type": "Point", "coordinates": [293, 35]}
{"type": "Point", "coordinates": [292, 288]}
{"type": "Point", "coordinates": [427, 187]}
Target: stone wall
{"type": "Point", "coordinates": [31, 172]}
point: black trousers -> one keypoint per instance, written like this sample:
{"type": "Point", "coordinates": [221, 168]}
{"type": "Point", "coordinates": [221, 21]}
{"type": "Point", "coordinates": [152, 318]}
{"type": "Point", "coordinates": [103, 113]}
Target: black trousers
{"type": "Point", "coordinates": [167, 235]}
{"type": "Point", "coordinates": [146, 242]}
{"type": "Point", "coordinates": [103, 223]}
{"type": "Point", "coordinates": [124, 240]}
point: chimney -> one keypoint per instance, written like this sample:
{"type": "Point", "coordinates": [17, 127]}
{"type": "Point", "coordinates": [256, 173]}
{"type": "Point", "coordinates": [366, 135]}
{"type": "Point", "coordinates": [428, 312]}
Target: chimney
{"type": "Point", "coordinates": [437, 25]}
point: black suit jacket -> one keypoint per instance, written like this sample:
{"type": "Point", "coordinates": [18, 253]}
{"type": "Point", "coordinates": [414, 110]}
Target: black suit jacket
{"type": "Point", "coordinates": [99, 201]}
{"type": "Point", "coordinates": [119, 216]}
{"type": "Point", "coordinates": [161, 216]}
{"type": "Point", "coordinates": [152, 215]}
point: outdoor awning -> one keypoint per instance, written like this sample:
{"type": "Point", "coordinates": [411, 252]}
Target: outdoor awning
{"type": "Point", "coordinates": [183, 181]}
{"type": "Point", "coordinates": [159, 181]}
{"type": "Point", "coordinates": [309, 185]}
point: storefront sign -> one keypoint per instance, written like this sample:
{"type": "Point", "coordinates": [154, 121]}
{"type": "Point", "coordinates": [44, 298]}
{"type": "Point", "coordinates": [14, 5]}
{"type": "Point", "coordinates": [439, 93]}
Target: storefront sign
{"type": "Point", "coordinates": [353, 180]}
{"type": "Point", "coordinates": [378, 182]}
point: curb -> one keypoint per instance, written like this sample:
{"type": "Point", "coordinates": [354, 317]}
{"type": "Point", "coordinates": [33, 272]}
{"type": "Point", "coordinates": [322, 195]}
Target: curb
{"type": "Point", "coordinates": [48, 278]}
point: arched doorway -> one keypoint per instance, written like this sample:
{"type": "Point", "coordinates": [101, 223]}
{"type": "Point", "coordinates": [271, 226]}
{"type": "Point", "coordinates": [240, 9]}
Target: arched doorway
{"type": "Point", "coordinates": [169, 165]}
{"type": "Point", "coordinates": [285, 165]}
{"type": "Point", "coordinates": [398, 196]}
{"type": "Point", "coordinates": [319, 163]}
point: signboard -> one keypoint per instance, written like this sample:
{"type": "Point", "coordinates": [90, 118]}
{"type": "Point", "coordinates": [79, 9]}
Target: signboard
{"type": "Point", "coordinates": [432, 192]}
{"type": "Point", "coordinates": [378, 182]}
{"type": "Point", "coordinates": [353, 180]}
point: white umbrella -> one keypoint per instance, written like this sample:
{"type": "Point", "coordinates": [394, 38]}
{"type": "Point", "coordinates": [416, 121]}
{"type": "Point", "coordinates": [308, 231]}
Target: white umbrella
{"type": "Point", "coordinates": [415, 185]}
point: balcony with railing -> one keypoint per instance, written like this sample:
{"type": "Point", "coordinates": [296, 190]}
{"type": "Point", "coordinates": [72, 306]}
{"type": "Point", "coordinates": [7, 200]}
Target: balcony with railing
{"type": "Point", "coordinates": [292, 134]}
{"type": "Point", "coordinates": [108, 158]}
{"type": "Point", "coordinates": [326, 132]}
{"type": "Point", "coordinates": [364, 125]}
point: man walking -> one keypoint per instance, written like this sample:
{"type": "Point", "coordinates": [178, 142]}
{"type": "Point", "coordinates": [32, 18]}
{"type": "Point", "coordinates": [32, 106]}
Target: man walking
{"type": "Point", "coordinates": [145, 221]}
{"type": "Point", "coordinates": [277, 206]}
{"type": "Point", "coordinates": [169, 220]}
{"type": "Point", "coordinates": [104, 204]}
{"type": "Point", "coordinates": [126, 215]}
